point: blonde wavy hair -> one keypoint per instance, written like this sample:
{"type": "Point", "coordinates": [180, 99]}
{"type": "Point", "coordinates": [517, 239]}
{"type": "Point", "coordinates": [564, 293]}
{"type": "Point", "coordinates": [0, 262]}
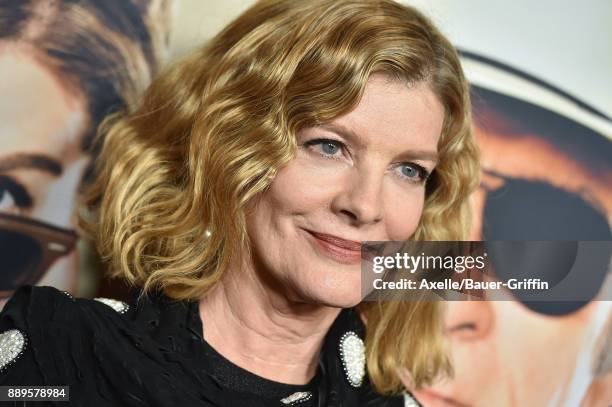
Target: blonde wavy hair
{"type": "Point", "coordinates": [175, 175]}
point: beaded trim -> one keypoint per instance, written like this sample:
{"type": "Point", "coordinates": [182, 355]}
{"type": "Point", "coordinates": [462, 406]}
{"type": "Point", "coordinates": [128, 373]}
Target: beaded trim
{"type": "Point", "coordinates": [68, 295]}
{"type": "Point", "coordinates": [352, 355]}
{"type": "Point", "coordinates": [119, 306]}
{"type": "Point", "coordinates": [296, 398]}
{"type": "Point", "coordinates": [12, 345]}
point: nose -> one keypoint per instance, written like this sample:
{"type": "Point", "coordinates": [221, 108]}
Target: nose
{"type": "Point", "coordinates": [361, 200]}
{"type": "Point", "coordinates": [468, 320]}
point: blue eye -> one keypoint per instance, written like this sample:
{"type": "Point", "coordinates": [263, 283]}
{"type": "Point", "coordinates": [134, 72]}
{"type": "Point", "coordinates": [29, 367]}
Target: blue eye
{"type": "Point", "coordinates": [326, 147]}
{"type": "Point", "coordinates": [413, 173]}
{"type": "Point", "coordinates": [410, 171]}
{"type": "Point", "coordinates": [330, 148]}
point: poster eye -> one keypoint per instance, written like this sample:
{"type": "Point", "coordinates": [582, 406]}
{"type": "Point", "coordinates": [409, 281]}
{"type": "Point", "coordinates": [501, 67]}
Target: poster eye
{"type": "Point", "coordinates": [13, 194]}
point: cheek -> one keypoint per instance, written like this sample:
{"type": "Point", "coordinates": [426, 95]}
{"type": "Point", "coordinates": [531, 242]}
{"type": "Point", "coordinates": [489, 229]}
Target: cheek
{"type": "Point", "coordinates": [291, 196]}
{"type": "Point", "coordinates": [403, 211]}
{"type": "Point", "coordinates": [531, 352]}
{"type": "Point", "coordinates": [302, 187]}
{"type": "Point", "coordinates": [55, 197]}
{"type": "Point", "coordinates": [63, 274]}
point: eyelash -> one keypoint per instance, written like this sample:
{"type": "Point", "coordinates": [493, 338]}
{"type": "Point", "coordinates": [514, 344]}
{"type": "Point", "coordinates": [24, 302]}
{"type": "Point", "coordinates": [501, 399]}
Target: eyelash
{"type": "Point", "coordinates": [423, 174]}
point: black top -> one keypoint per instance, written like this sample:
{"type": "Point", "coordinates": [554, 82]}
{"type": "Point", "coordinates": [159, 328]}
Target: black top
{"type": "Point", "coordinates": [152, 353]}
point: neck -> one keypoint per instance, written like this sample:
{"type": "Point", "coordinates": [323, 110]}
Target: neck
{"type": "Point", "coordinates": [263, 331]}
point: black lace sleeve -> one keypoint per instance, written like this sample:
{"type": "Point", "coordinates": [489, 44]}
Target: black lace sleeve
{"type": "Point", "coordinates": [47, 339]}
{"type": "Point", "coordinates": [95, 348]}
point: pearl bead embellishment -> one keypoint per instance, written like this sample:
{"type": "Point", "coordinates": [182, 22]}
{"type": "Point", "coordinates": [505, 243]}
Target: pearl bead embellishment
{"type": "Point", "coordinates": [119, 306]}
{"type": "Point", "coordinates": [352, 355]}
{"type": "Point", "coordinates": [297, 397]}
{"type": "Point", "coordinates": [12, 345]}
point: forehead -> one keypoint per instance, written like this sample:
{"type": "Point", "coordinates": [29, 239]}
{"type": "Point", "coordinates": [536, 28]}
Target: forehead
{"type": "Point", "coordinates": [532, 158]}
{"type": "Point", "coordinates": [396, 115]}
{"type": "Point", "coordinates": [36, 113]}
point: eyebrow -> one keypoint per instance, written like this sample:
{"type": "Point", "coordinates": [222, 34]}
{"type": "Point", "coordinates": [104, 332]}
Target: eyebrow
{"type": "Point", "coordinates": [425, 155]}
{"type": "Point", "coordinates": [31, 161]}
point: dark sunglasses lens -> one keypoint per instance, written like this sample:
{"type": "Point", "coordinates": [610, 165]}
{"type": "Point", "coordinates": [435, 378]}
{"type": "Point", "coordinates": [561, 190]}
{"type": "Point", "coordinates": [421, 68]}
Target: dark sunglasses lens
{"type": "Point", "coordinates": [528, 210]}
{"type": "Point", "coordinates": [549, 261]}
{"type": "Point", "coordinates": [555, 308]}
{"type": "Point", "coordinates": [20, 258]}
{"type": "Point", "coordinates": [524, 211]}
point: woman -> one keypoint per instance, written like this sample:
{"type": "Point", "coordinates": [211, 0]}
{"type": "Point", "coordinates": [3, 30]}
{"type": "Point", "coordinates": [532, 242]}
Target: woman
{"type": "Point", "coordinates": [237, 196]}
{"type": "Point", "coordinates": [65, 65]}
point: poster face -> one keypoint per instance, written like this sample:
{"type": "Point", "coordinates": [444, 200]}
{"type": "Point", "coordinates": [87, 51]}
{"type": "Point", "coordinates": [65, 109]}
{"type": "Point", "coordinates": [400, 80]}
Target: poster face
{"type": "Point", "coordinates": [41, 165]}
{"type": "Point", "coordinates": [65, 65]}
{"type": "Point", "coordinates": [539, 167]}
{"type": "Point", "coordinates": [545, 176]}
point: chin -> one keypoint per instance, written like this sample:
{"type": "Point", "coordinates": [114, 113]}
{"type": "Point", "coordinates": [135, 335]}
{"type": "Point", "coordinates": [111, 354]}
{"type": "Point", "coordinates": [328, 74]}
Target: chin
{"type": "Point", "coordinates": [338, 288]}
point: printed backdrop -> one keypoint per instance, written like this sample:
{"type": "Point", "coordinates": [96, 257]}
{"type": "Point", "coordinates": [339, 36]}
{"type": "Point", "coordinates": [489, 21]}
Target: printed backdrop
{"type": "Point", "coordinates": [542, 105]}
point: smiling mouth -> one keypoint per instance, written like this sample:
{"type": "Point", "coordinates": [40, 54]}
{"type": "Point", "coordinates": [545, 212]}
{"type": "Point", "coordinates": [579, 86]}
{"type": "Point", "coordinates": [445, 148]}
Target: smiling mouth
{"type": "Point", "coordinates": [338, 249]}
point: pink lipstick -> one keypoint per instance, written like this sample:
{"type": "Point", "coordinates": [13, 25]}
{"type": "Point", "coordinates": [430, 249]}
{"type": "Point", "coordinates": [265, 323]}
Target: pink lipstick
{"type": "Point", "coordinates": [341, 250]}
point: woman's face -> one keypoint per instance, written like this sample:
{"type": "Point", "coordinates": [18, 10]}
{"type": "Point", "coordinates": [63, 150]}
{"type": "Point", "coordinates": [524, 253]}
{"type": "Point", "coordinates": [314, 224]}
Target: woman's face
{"type": "Point", "coordinates": [357, 178]}
{"type": "Point", "coordinates": [41, 162]}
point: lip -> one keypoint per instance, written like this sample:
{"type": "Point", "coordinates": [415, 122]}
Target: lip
{"type": "Point", "coordinates": [432, 399]}
{"type": "Point", "coordinates": [341, 250]}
